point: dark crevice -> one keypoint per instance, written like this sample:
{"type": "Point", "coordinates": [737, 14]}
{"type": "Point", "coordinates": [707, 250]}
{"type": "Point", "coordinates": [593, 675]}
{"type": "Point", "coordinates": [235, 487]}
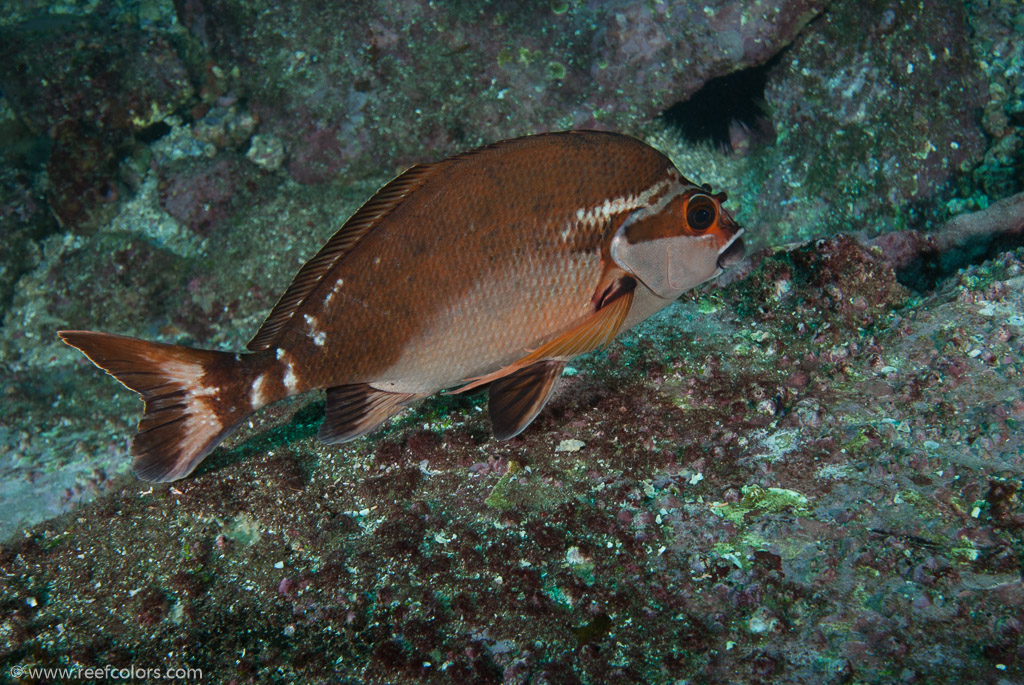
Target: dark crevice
{"type": "Point", "coordinates": [724, 106]}
{"type": "Point", "coordinates": [931, 267]}
{"type": "Point", "coordinates": [152, 133]}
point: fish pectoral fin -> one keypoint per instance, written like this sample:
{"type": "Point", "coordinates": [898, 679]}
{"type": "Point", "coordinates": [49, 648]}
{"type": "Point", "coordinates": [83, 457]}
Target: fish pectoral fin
{"type": "Point", "coordinates": [594, 332]}
{"type": "Point", "coordinates": [354, 410]}
{"type": "Point", "coordinates": [516, 399]}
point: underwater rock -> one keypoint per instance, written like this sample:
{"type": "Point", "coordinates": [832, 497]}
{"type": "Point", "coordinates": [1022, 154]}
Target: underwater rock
{"type": "Point", "coordinates": [267, 152]}
{"type": "Point", "coordinates": [997, 28]}
{"type": "Point", "coordinates": [202, 192]}
{"type": "Point", "coordinates": [226, 128]}
{"type": "Point", "coordinates": [869, 120]}
{"type": "Point", "coordinates": [89, 86]}
{"type": "Point", "coordinates": [25, 218]}
{"type": "Point", "coordinates": [370, 85]}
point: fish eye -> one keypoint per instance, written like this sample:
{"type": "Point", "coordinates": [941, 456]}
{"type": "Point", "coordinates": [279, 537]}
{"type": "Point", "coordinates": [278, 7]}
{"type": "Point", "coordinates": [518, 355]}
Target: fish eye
{"type": "Point", "coordinates": [701, 212]}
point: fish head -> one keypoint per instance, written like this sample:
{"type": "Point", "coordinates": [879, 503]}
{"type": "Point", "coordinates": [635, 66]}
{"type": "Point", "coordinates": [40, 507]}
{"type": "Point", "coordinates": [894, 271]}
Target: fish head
{"type": "Point", "coordinates": [682, 238]}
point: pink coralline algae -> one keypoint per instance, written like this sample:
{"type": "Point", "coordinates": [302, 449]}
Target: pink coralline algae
{"type": "Point", "coordinates": [203, 192]}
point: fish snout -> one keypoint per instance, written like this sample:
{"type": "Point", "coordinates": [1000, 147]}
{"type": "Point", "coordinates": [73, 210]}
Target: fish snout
{"type": "Point", "coordinates": [733, 253]}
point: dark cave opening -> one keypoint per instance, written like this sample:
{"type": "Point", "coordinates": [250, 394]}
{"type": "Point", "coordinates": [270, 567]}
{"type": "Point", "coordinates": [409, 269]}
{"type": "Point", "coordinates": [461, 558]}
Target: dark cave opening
{"type": "Point", "coordinates": [733, 100]}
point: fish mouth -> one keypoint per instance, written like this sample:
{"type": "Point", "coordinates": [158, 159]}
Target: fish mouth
{"type": "Point", "coordinates": [733, 252]}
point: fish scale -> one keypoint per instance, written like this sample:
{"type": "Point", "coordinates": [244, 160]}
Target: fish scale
{"type": "Point", "coordinates": [491, 268]}
{"type": "Point", "coordinates": [486, 325]}
{"type": "Point", "coordinates": [523, 292]}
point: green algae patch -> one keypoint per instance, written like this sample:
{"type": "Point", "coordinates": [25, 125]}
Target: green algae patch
{"type": "Point", "coordinates": [964, 551]}
{"type": "Point", "coordinates": [729, 553]}
{"type": "Point", "coordinates": [925, 507]}
{"type": "Point", "coordinates": [768, 500]}
{"type": "Point", "coordinates": [709, 304]}
{"type": "Point", "coordinates": [581, 565]}
{"type": "Point", "coordinates": [742, 550]}
{"type": "Point", "coordinates": [522, 490]}
{"type": "Point", "coordinates": [555, 70]}
{"type": "Point", "coordinates": [858, 442]}
{"type": "Point", "coordinates": [558, 596]}
{"type": "Point", "coordinates": [499, 497]}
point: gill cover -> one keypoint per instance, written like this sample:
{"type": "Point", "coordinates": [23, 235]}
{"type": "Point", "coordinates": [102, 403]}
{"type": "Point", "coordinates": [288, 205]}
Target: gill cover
{"type": "Point", "coordinates": [667, 266]}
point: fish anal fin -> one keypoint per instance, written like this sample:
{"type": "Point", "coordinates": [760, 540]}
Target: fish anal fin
{"type": "Point", "coordinates": [355, 410]}
{"type": "Point", "coordinates": [340, 244]}
{"type": "Point", "coordinates": [516, 399]}
{"type": "Point", "coordinates": [593, 332]}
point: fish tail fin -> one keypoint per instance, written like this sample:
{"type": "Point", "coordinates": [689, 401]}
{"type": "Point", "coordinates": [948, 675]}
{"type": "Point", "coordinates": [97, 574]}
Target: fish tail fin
{"type": "Point", "coordinates": [191, 398]}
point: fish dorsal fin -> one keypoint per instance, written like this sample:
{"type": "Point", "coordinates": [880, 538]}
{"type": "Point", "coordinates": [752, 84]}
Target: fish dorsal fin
{"type": "Point", "coordinates": [593, 332]}
{"type": "Point", "coordinates": [516, 399]}
{"type": "Point", "coordinates": [340, 244]}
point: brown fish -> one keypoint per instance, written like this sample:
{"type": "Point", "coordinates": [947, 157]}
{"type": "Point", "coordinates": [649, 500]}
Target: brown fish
{"type": "Point", "coordinates": [491, 268]}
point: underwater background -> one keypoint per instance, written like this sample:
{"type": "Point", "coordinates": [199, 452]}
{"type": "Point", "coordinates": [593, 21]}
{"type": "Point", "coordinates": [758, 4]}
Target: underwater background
{"type": "Point", "coordinates": [810, 472]}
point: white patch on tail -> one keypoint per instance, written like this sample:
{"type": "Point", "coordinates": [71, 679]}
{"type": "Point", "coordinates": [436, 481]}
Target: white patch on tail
{"type": "Point", "coordinates": [199, 413]}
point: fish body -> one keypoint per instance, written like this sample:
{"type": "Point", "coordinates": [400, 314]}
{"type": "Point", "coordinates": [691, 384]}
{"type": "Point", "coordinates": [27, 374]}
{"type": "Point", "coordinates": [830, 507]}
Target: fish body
{"type": "Point", "coordinates": [491, 268]}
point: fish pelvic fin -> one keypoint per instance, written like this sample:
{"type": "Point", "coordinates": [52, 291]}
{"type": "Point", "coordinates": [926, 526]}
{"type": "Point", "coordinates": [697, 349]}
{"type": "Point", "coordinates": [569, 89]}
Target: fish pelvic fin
{"type": "Point", "coordinates": [516, 399]}
{"type": "Point", "coordinates": [594, 332]}
{"type": "Point", "coordinates": [189, 398]}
